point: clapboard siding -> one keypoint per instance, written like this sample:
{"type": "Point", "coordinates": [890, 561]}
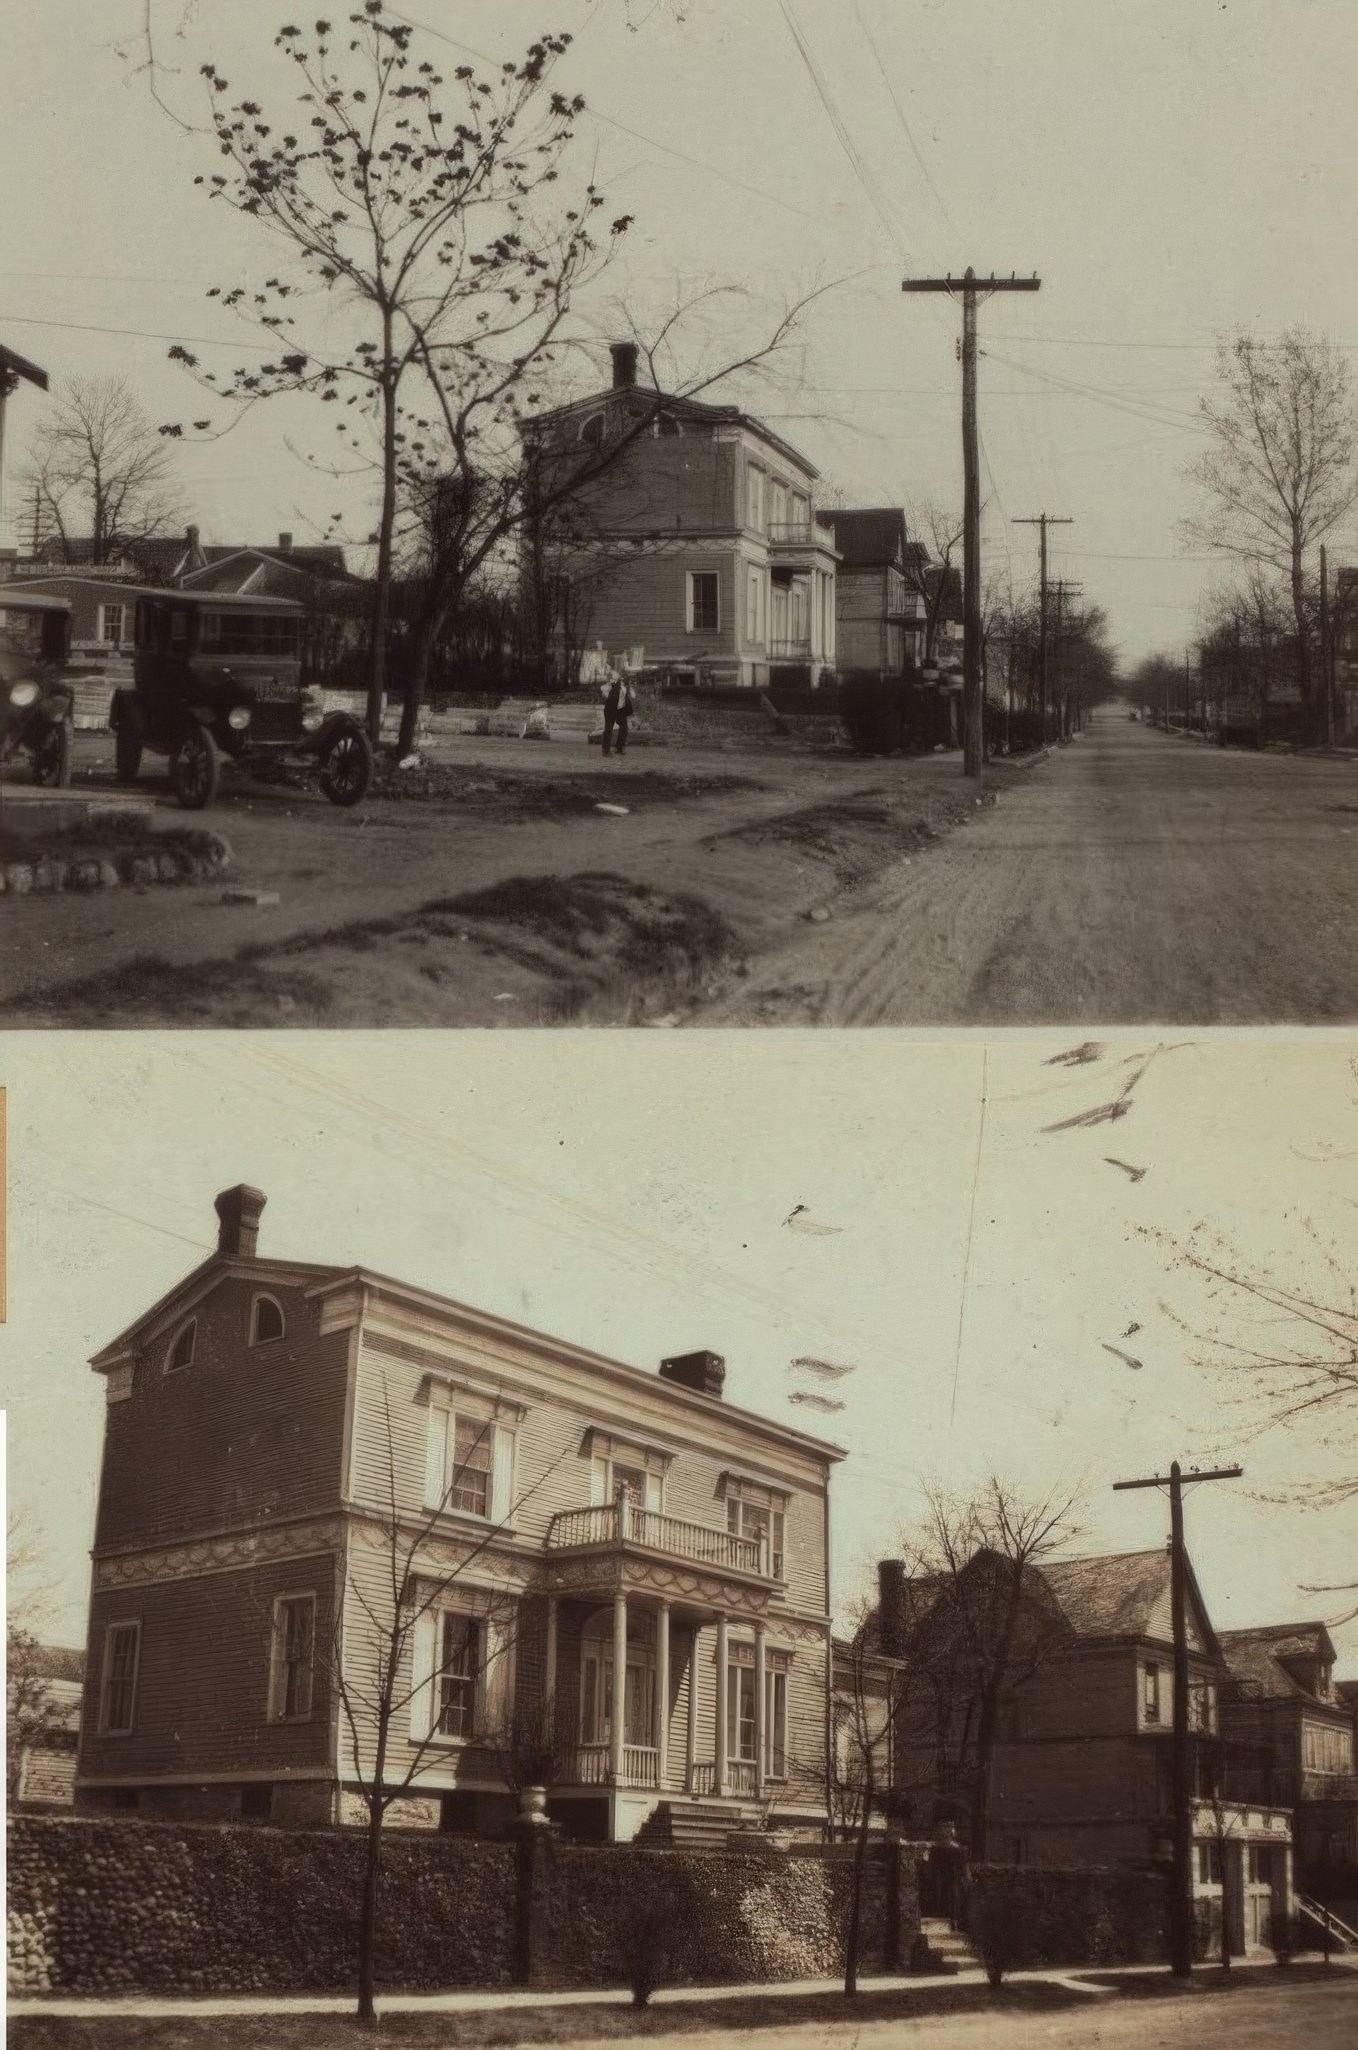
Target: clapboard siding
{"type": "Point", "coordinates": [203, 1675]}
{"type": "Point", "coordinates": [242, 1435]}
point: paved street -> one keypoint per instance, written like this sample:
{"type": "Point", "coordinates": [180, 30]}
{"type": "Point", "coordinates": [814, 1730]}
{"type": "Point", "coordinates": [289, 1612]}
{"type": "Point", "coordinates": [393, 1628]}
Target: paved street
{"type": "Point", "coordinates": [1133, 878]}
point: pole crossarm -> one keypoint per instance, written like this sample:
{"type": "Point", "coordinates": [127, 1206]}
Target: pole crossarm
{"type": "Point", "coordinates": [968, 283]}
{"type": "Point", "coordinates": [1186, 1480]}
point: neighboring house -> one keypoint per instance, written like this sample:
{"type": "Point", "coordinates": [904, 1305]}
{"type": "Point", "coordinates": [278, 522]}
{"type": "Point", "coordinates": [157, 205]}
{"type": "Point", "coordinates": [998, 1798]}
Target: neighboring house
{"type": "Point", "coordinates": [697, 551]}
{"type": "Point", "coordinates": [103, 607]}
{"type": "Point", "coordinates": [863, 1758]}
{"type": "Point", "coordinates": [641, 1566]}
{"type": "Point", "coordinates": [47, 1764]}
{"type": "Point", "coordinates": [1081, 1768]}
{"type": "Point", "coordinates": [879, 608]}
{"type": "Point", "coordinates": [1292, 1731]}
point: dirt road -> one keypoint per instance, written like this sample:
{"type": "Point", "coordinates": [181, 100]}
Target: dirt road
{"type": "Point", "coordinates": [1127, 878]}
{"type": "Point", "coordinates": [1136, 878]}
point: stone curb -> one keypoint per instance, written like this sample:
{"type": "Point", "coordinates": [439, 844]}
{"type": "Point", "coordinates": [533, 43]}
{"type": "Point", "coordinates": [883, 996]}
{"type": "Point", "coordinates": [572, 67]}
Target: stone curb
{"type": "Point", "coordinates": [134, 870]}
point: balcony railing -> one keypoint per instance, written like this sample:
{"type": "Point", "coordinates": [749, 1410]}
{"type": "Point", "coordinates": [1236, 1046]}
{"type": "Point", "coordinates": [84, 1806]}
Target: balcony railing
{"type": "Point", "coordinates": [740, 1775]}
{"type": "Point", "coordinates": [617, 1523]}
{"type": "Point", "coordinates": [790, 649]}
{"type": "Point", "coordinates": [591, 1766]}
{"type": "Point", "coordinates": [800, 534]}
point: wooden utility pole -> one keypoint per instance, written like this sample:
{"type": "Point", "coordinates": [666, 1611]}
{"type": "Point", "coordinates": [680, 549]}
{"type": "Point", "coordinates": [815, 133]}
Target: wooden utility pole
{"type": "Point", "coordinates": [1042, 521]}
{"type": "Point", "coordinates": [1063, 591]}
{"type": "Point", "coordinates": [973, 686]}
{"type": "Point", "coordinates": [14, 370]}
{"type": "Point", "coordinates": [1181, 1897]}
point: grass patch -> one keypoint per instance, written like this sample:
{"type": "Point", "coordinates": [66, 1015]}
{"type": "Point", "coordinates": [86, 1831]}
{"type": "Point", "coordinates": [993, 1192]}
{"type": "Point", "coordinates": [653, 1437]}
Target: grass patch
{"type": "Point", "coordinates": [855, 835]}
{"type": "Point", "coordinates": [150, 991]}
{"type": "Point", "coordinates": [507, 796]}
{"type": "Point", "coordinates": [490, 2029]}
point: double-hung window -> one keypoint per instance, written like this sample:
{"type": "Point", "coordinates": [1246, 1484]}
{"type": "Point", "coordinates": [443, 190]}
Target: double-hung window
{"type": "Point", "coordinates": [704, 611]}
{"type": "Point", "coordinates": [118, 1690]}
{"type": "Point", "coordinates": [775, 1714]}
{"type": "Point", "coordinates": [469, 1460]}
{"type": "Point", "coordinates": [459, 1674]}
{"type": "Point", "coordinates": [740, 1700]}
{"type": "Point", "coordinates": [754, 607]}
{"type": "Point", "coordinates": [754, 498]}
{"type": "Point", "coordinates": [294, 1648]}
{"type": "Point", "coordinates": [1150, 1694]}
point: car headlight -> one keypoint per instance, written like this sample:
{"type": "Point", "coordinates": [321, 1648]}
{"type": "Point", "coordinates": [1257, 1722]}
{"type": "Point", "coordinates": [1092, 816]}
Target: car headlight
{"type": "Point", "coordinates": [313, 711]}
{"type": "Point", "coordinates": [238, 718]}
{"type": "Point", "coordinates": [24, 693]}
{"type": "Point", "coordinates": [312, 721]}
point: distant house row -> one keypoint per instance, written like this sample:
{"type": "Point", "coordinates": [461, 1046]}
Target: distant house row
{"type": "Point", "coordinates": [692, 548]}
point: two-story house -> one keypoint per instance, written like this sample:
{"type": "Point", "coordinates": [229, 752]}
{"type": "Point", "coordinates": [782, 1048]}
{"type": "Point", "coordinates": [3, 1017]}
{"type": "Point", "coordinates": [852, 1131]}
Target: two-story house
{"type": "Point", "coordinates": [879, 603]}
{"type": "Point", "coordinates": [619, 1569]}
{"type": "Point", "coordinates": [1293, 1733]}
{"type": "Point", "coordinates": [693, 549]}
{"type": "Point", "coordinates": [1081, 1702]}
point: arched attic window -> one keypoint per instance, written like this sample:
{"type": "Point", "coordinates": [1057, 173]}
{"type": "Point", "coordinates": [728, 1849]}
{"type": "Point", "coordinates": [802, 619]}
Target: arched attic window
{"type": "Point", "coordinates": [180, 1354]}
{"type": "Point", "coordinates": [266, 1320]}
{"type": "Point", "coordinates": [592, 429]}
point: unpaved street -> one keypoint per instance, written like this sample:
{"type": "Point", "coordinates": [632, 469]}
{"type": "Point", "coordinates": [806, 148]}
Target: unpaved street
{"type": "Point", "coordinates": [1132, 878]}
{"type": "Point", "coordinates": [1126, 878]}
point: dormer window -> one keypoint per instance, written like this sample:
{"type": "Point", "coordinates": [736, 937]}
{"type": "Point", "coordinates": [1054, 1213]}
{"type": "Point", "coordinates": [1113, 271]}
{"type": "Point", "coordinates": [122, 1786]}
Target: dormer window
{"type": "Point", "coordinates": [266, 1320]}
{"type": "Point", "coordinates": [592, 429]}
{"type": "Point", "coordinates": [180, 1354]}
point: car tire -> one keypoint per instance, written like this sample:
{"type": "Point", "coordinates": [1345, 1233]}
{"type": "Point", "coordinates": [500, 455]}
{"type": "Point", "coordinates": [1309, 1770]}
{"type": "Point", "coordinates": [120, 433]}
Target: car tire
{"type": "Point", "coordinates": [346, 771]}
{"type": "Point", "coordinates": [52, 757]}
{"type": "Point", "coordinates": [127, 737]}
{"type": "Point", "coordinates": [194, 767]}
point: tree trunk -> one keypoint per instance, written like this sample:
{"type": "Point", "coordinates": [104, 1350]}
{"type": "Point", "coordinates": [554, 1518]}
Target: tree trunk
{"type": "Point", "coordinates": [854, 1936]}
{"type": "Point", "coordinates": [367, 1926]}
{"type": "Point", "coordinates": [1303, 638]}
{"type": "Point", "coordinates": [421, 655]}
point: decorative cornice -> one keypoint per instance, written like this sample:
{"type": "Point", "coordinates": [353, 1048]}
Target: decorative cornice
{"type": "Point", "coordinates": [225, 1554]}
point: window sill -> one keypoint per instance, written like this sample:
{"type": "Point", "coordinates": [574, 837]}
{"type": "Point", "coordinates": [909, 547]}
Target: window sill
{"type": "Point", "coordinates": [471, 1519]}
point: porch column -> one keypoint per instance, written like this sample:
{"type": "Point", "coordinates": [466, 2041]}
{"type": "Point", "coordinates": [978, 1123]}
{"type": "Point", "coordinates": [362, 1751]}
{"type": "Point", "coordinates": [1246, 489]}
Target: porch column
{"type": "Point", "coordinates": [617, 1718]}
{"type": "Point", "coordinates": [662, 1695]}
{"type": "Point", "coordinates": [692, 1757]}
{"type": "Point", "coordinates": [549, 1675]}
{"type": "Point", "coordinates": [760, 1733]}
{"type": "Point", "coordinates": [723, 1775]}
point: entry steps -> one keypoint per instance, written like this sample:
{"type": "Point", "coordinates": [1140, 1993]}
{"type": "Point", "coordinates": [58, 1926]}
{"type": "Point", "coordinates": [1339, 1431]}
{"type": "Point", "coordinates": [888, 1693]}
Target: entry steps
{"type": "Point", "coordinates": [941, 1948]}
{"type": "Point", "coordinates": [691, 1825]}
{"type": "Point", "coordinates": [1341, 1936]}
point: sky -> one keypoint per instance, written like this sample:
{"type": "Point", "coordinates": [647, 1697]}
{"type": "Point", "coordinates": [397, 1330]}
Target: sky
{"type": "Point", "coordinates": [1172, 171]}
{"type": "Point", "coordinates": [895, 1205]}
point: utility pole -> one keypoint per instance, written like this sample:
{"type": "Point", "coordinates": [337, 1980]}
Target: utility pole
{"type": "Point", "coordinates": [1042, 521]}
{"type": "Point", "coordinates": [1326, 665]}
{"type": "Point", "coordinates": [1063, 591]}
{"type": "Point", "coordinates": [973, 751]}
{"type": "Point", "coordinates": [14, 369]}
{"type": "Point", "coordinates": [1181, 1897]}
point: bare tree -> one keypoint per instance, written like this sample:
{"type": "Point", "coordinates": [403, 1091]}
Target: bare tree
{"type": "Point", "coordinates": [101, 474]}
{"type": "Point", "coordinates": [398, 1688]}
{"type": "Point", "coordinates": [933, 577]}
{"type": "Point", "coordinates": [30, 1708]}
{"type": "Point", "coordinates": [971, 1624]}
{"type": "Point", "coordinates": [859, 1763]}
{"type": "Point", "coordinates": [1281, 467]}
{"type": "Point", "coordinates": [428, 209]}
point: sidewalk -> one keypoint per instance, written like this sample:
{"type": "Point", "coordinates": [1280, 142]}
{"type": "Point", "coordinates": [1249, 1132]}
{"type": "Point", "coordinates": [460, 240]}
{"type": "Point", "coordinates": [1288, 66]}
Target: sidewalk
{"type": "Point", "coordinates": [1076, 1978]}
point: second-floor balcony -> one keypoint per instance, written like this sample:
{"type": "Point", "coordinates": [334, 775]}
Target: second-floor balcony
{"type": "Point", "coordinates": [799, 540]}
{"type": "Point", "coordinates": [624, 1523]}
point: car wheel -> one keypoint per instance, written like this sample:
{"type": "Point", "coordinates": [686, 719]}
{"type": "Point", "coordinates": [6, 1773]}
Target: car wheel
{"type": "Point", "coordinates": [347, 766]}
{"type": "Point", "coordinates": [127, 740]}
{"type": "Point", "coordinates": [193, 767]}
{"type": "Point", "coordinates": [52, 756]}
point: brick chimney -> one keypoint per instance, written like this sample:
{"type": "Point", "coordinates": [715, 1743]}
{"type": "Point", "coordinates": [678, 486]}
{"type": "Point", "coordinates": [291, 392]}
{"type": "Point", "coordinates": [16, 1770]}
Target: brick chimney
{"type": "Point", "coordinates": [624, 365]}
{"type": "Point", "coordinates": [891, 1606]}
{"type": "Point", "coordinates": [285, 544]}
{"type": "Point", "coordinates": [238, 1212]}
{"type": "Point", "coordinates": [703, 1372]}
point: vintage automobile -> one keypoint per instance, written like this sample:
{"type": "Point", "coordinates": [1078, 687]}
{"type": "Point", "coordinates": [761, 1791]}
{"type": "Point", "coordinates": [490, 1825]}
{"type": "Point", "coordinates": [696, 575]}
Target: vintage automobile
{"type": "Point", "coordinates": [217, 675]}
{"type": "Point", "coordinates": [36, 702]}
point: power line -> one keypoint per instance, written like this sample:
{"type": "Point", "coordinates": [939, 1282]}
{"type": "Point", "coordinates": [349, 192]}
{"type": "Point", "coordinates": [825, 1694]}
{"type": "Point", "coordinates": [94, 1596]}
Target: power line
{"type": "Point", "coordinates": [871, 42]}
{"type": "Point", "coordinates": [837, 124]}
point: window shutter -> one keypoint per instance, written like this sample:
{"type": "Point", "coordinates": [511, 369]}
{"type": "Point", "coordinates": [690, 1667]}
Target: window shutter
{"type": "Point", "coordinates": [493, 1691]}
{"type": "Point", "coordinates": [422, 1661]}
{"type": "Point", "coordinates": [436, 1458]}
{"type": "Point", "coordinates": [502, 1487]}
{"type": "Point", "coordinates": [598, 1479]}
{"type": "Point", "coordinates": [654, 1482]}
{"type": "Point", "coordinates": [307, 1654]}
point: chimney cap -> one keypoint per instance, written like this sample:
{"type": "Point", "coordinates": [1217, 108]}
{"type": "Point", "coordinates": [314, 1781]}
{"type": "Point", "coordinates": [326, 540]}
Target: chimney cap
{"type": "Point", "coordinates": [238, 1213]}
{"type": "Point", "coordinates": [704, 1373]}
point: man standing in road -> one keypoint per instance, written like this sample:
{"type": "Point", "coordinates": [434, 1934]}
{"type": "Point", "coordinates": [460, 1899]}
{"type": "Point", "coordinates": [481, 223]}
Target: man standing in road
{"type": "Point", "coordinates": [619, 704]}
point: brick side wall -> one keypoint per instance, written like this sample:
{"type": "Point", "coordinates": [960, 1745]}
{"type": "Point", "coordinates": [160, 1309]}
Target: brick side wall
{"type": "Point", "coordinates": [103, 1907]}
{"type": "Point", "coordinates": [244, 1432]}
{"type": "Point", "coordinates": [203, 1675]}
{"type": "Point", "coordinates": [1027, 1916]}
